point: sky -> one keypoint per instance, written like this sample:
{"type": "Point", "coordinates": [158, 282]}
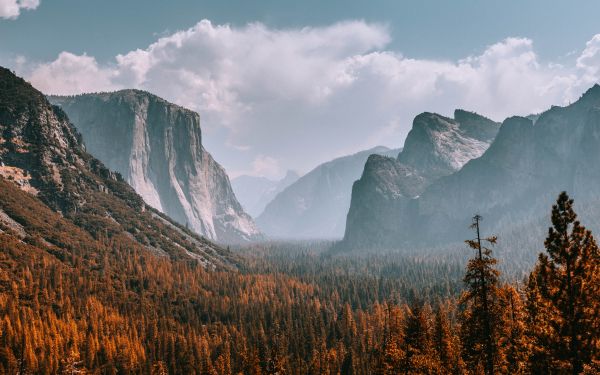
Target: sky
{"type": "Point", "coordinates": [288, 85]}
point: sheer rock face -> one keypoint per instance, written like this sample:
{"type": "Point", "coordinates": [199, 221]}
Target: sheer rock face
{"type": "Point", "coordinates": [438, 146]}
{"type": "Point", "coordinates": [385, 198]}
{"type": "Point", "coordinates": [43, 154]}
{"type": "Point", "coordinates": [157, 147]}
{"type": "Point", "coordinates": [315, 206]}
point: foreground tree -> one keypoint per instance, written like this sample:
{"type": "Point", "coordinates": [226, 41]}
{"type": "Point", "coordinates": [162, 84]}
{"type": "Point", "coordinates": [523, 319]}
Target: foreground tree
{"type": "Point", "coordinates": [563, 296]}
{"type": "Point", "coordinates": [513, 348]}
{"type": "Point", "coordinates": [419, 355]}
{"type": "Point", "coordinates": [446, 342]}
{"type": "Point", "coordinates": [480, 317]}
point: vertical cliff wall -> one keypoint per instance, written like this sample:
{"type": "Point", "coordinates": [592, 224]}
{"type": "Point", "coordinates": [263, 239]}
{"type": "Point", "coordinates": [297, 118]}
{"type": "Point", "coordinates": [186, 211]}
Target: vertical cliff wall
{"type": "Point", "coordinates": [157, 147]}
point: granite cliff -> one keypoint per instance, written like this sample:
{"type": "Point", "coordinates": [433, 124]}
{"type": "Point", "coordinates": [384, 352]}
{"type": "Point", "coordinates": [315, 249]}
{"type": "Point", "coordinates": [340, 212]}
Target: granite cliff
{"type": "Point", "coordinates": [157, 147]}
{"type": "Point", "coordinates": [381, 212]}
{"type": "Point", "coordinates": [42, 154]}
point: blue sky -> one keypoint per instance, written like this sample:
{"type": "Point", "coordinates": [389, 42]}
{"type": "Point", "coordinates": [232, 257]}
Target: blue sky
{"type": "Point", "coordinates": [273, 79]}
{"type": "Point", "coordinates": [421, 28]}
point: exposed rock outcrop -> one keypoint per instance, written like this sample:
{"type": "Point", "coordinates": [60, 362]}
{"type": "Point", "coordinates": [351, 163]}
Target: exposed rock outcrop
{"type": "Point", "coordinates": [384, 199]}
{"type": "Point", "coordinates": [42, 154]}
{"type": "Point", "coordinates": [518, 178]}
{"type": "Point", "coordinates": [157, 147]}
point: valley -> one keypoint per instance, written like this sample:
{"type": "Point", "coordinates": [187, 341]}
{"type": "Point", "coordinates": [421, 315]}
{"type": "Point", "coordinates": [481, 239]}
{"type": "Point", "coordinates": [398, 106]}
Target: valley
{"type": "Point", "coordinates": [317, 189]}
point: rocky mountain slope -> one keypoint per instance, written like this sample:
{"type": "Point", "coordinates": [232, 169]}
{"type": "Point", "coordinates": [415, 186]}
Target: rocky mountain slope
{"type": "Point", "coordinates": [383, 198]}
{"type": "Point", "coordinates": [530, 161]}
{"type": "Point", "coordinates": [315, 206]}
{"type": "Point", "coordinates": [42, 154]}
{"type": "Point", "coordinates": [521, 174]}
{"type": "Point", "coordinates": [157, 147]}
{"type": "Point", "coordinates": [254, 193]}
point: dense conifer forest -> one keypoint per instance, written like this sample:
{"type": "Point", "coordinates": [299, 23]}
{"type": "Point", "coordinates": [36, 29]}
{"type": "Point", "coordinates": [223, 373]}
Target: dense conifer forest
{"type": "Point", "coordinates": [97, 304]}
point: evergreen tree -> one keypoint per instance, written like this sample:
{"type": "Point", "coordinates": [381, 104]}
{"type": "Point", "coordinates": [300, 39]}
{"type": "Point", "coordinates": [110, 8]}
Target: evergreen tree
{"type": "Point", "coordinates": [564, 291]}
{"type": "Point", "coordinates": [480, 317]}
{"type": "Point", "coordinates": [418, 353]}
{"type": "Point", "coordinates": [538, 332]}
{"type": "Point", "coordinates": [513, 351]}
{"type": "Point", "coordinates": [393, 345]}
{"type": "Point", "coordinates": [446, 344]}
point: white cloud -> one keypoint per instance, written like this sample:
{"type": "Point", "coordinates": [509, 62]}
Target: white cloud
{"type": "Point", "coordinates": [303, 96]}
{"type": "Point", "coordinates": [589, 60]}
{"type": "Point", "coordinates": [11, 9]}
{"type": "Point", "coordinates": [70, 74]}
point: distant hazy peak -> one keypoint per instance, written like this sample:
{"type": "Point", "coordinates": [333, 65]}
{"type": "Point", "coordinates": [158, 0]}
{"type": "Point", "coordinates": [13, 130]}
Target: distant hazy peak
{"type": "Point", "coordinates": [316, 205]}
{"type": "Point", "coordinates": [290, 177]}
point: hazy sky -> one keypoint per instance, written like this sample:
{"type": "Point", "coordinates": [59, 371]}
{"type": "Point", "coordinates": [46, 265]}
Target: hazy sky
{"type": "Point", "coordinates": [289, 84]}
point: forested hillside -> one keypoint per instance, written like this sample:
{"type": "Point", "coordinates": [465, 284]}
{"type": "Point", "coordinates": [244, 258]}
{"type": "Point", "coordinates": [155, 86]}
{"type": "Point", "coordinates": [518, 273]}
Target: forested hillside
{"type": "Point", "coordinates": [42, 154]}
{"type": "Point", "coordinates": [79, 304]}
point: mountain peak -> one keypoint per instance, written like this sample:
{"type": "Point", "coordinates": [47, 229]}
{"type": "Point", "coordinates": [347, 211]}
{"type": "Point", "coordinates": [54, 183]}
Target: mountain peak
{"type": "Point", "coordinates": [438, 145]}
{"type": "Point", "coordinates": [379, 149]}
{"type": "Point", "coordinates": [593, 93]}
{"type": "Point", "coordinates": [316, 205]}
{"type": "Point", "coordinates": [157, 147]}
{"type": "Point", "coordinates": [462, 115]}
{"type": "Point", "coordinates": [134, 95]}
{"type": "Point", "coordinates": [428, 121]}
{"type": "Point", "coordinates": [290, 176]}
{"type": "Point", "coordinates": [16, 93]}
{"type": "Point", "coordinates": [42, 154]}
{"type": "Point", "coordinates": [514, 130]}
{"type": "Point", "coordinates": [476, 126]}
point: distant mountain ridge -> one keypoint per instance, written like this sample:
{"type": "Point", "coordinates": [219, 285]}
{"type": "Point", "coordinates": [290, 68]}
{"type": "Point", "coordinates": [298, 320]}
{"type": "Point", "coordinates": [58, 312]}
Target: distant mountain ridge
{"type": "Point", "coordinates": [42, 154]}
{"type": "Point", "coordinates": [522, 172]}
{"type": "Point", "coordinates": [157, 147]}
{"type": "Point", "coordinates": [254, 193]}
{"type": "Point", "coordinates": [315, 206]}
{"type": "Point", "coordinates": [383, 197]}
{"type": "Point", "coordinates": [511, 184]}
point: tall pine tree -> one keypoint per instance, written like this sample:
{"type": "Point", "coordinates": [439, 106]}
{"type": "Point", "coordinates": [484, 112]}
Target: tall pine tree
{"type": "Point", "coordinates": [480, 318]}
{"type": "Point", "coordinates": [513, 348]}
{"type": "Point", "coordinates": [446, 343]}
{"type": "Point", "coordinates": [419, 355]}
{"type": "Point", "coordinates": [563, 295]}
